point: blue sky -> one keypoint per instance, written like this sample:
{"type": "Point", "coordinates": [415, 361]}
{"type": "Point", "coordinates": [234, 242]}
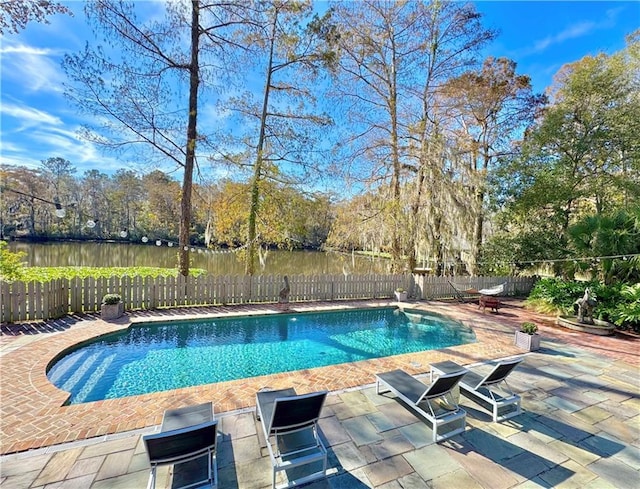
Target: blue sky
{"type": "Point", "coordinates": [37, 122]}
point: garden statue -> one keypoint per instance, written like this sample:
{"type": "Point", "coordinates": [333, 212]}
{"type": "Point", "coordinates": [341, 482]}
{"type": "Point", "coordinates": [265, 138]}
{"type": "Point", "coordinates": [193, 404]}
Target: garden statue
{"type": "Point", "coordinates": [584, 307]}
{"type": "Point", "coordinates": [283, 295]}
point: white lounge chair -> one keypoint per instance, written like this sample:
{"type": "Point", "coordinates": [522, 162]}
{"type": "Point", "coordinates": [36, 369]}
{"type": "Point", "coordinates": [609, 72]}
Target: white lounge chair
{"type": "Point", "coordinates": [435, 402]}
{"type": "Point", "coordinates": [492, 391]}
{"type": "Point", "coordinates": [187, 440]}
{"type": "Point", "coordinates": [290, 426]}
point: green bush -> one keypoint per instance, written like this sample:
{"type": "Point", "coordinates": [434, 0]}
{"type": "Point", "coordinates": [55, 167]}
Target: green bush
{"type": "Point", "coordinates": [529, 328]}
{"type": "Point", "coordinates": [627, 314]}
{"type": "Point", "coordinates": [11, 264]}
{"type": "Point", "coordinates": [618, 303]}
{"type": "Point", "coordinates": [111, 299]}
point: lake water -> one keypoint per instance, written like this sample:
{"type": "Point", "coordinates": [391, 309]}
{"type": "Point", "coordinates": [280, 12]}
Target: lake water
{"type": "Point", "coordinates": [88, 254]}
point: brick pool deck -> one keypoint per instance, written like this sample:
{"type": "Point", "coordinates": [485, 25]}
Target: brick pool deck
{"type": "Point", "coordinates": [580, 428]}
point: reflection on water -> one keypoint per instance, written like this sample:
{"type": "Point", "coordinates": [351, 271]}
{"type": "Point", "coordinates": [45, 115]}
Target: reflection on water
{"type": "Point", "coordinates": [130, 255]}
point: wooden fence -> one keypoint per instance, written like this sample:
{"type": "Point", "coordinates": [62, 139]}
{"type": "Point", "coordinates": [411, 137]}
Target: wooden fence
{"type": "Point", "coordinates": [20, 301]}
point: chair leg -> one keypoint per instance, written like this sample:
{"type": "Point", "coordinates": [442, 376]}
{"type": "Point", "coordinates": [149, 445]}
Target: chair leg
{"type": "Point", "coordinates": [152, 478]}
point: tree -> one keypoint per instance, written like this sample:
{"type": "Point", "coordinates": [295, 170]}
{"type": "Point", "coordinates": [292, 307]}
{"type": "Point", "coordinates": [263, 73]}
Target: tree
{"type": "Point", "coordinates": [491, 108]}
{"type": "Point", "coordinates": [376, 50]}
{"type": "Point", "coordinates": [394, 58]}
{"type": "Point", "coordinates": [16, 14]}
{"type": "Point", "coordinates": [453, 35]}
{"type": "Point", "coordinates": [291, 47]}
{"type": "Point", "coordinates": [582, 158]}
{"type": "Point", "coordinates": [135, 90]}
{"type": "Point", "coordinates": [126, 198]}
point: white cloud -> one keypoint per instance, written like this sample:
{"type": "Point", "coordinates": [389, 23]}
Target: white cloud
{"type": "Point", "coordinates": [29, 116]}
{"type": "Point", "coordinates": [571, 32]}
{"type": "Point", "coordinates": [31, 68]}
{"type": "Point", "coordinates": [576, 30]}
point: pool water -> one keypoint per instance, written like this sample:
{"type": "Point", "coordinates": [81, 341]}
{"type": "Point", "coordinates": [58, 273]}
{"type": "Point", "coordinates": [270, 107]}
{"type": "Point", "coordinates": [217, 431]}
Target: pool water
{"type": "Point", "coordinates": [155, 357]}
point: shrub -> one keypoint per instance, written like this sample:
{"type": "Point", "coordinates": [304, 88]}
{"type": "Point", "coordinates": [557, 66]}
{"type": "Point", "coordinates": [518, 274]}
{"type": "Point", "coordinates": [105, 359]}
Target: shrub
{"type": "Point", "coordinates": [11, 264]}
{"type": "Point", "coordinates": [627, 314]}
{"type": "Point", "coordinates": [111, 299]}
{"type": "Point", "coordinates": [529, 328]}
{"type": "Point", "coordinates": [617, 303]}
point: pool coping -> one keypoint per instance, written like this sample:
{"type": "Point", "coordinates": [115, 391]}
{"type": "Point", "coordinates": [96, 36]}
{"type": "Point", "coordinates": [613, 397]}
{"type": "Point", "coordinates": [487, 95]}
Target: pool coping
{"type": "Point", "coordinates": [33, 414]}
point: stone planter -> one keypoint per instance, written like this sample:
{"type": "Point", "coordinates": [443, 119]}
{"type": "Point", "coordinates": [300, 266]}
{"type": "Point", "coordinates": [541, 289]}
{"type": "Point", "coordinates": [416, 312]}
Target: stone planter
{"type": "Point", "coordinates": [527, 342]}
{"type": "Point", "coordinates": [111, 311]}
{"type": "Point", "coordinates": [401, 296]}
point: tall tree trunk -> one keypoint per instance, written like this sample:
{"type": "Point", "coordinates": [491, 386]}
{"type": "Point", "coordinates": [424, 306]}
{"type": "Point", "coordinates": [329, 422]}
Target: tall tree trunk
{"type": "Point", "coordinates": [396, 246]}
{"type": "Point", "coordinates": [252, 245]}
{"type": "Point", "coordinates": [187, 181]}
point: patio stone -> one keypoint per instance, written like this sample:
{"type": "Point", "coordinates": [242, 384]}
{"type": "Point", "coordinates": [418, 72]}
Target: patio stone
{"type": "Point", "coordinates": [238, 450]}
{"type": "Point", "coordinates": [563, 404]}
{"type": "Point", "coordinates": [22, 480]}
{"type": "Point", "coordinates": [592, 414]}
{"type": "Point", "coordinates": [616, 472]}
{"type": "Point", "coordinates": [412, 481]}
{"type": "Point", "coordinates": [256, 474]}
{"type": "Point", "coordinates": [432, 461]}
{"type": "Point", "coordinates": [527, 465]}
{"type": "Point", "coordinates": [238, 426]}
{"type": "Point", "coordinates": [490, 446]}
{"type": "Point", "coordinates": [381, 422]}
{"type": "Point", "coordinates": [532, 445]}
{"type": "Point", "coordinates": [387, 470]}
{"type": "Point", "coordinates": [81, 482]}
{"type": "Point", "coordinates": [127, 481]}
{"type": "Point", "coordinates": [601, 445]}
{"type": "Point", "coordinates": [599, 483]}
{"type": "Point", "coordinates": [487, 472]}
{"type": "Point", "coordinates": [111, 446]}
{"type": "Point", "coordinates": [332, 431]}
{"type": "Point", "coordinates": [419, 434]}
{"type": "Point", "coordinates": [15, 465]}
{"type": "Point", "coordinates": [86, 466]}
{"type": "Point", "coordinates": [574, 452]}
{"type": "Point", "coordinates": [58, 467]}
{"type": "Point", "coordinates": [458, 479]}
{"type": "Point", "coordinates": [355, 479]}
{"type": "Point", "coordinates": [393, 444]}
{"type": "Point", "coordinates": [114, 465]}
{"type": "Point", "coordinates": [398, 413]}
{"type": "Point", "coordinates": [569, 475]}
{"type": "Point", "coordinates": [361, 431]}
{"type": "Point", "coordinates": [349, 456]}
{"type": "Point", "coordinates": [630, 455]}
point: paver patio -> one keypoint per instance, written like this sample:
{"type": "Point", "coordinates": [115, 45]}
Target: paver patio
{"type": "Point", "coordinates": [580, 426]}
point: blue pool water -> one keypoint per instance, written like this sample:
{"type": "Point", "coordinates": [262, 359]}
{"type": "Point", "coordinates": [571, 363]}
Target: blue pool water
{"type": "Point", "coordinates": [163, 356]}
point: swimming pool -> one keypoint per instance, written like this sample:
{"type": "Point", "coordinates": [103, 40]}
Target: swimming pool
{"type": "Point", "coordinates": [153, 357]}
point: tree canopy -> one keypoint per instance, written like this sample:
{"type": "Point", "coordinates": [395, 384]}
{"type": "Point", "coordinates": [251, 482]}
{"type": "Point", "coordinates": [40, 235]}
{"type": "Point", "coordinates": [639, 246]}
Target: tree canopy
{"type": "Point", "coordinates": [437, 156]}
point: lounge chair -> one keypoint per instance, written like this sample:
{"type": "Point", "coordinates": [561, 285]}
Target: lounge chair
{"type": "Point", "coordinates": [290, 426]}
{"type": "Point", "coordinates": [435, 402]}
{"type": "Point", "coordinates": [187, 440]}
{"type": "Point", "coordinates": [492, 391]}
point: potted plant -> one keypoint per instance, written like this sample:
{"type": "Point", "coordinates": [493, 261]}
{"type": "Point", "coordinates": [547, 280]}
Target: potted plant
{"type": "Point", "coordinates": [111, 307]}
{"type": "Point", "coordinates": [401, 294]}
{"type": "Point", "coordinates": [527, 338]}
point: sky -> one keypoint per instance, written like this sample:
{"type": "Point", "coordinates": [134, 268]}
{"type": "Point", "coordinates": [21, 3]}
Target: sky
{"type": "Point", "coordinates": [37, 121]}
